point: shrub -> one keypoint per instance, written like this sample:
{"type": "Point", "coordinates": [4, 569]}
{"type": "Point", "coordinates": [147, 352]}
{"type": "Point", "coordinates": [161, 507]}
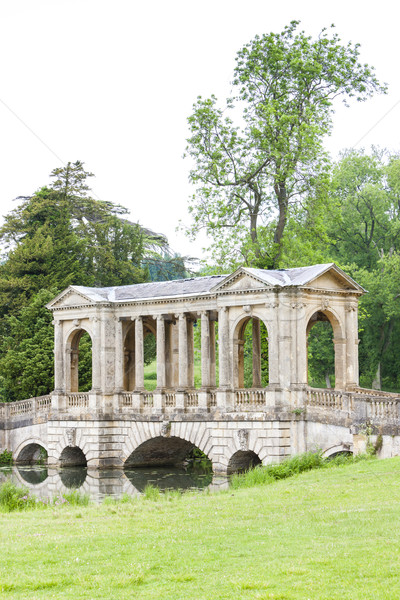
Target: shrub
{"type": "Point", "coordinates": [15, 498]}
{"type": "Point", "coordinates": [6, 457]}
{"type": "Point", "coordinates": [263, 475]}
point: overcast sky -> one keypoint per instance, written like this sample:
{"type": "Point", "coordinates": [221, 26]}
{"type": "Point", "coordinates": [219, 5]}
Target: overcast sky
{"type": "Point", "coordinates": [112, 82]}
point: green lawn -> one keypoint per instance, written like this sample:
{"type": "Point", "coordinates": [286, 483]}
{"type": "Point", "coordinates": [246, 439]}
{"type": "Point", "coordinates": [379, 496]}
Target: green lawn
{"type": "Point", "coordinates": [326, 534]}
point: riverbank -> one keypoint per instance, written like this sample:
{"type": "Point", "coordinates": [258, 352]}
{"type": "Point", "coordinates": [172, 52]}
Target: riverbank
{"type": "Point", "coordinates": [325, 534]}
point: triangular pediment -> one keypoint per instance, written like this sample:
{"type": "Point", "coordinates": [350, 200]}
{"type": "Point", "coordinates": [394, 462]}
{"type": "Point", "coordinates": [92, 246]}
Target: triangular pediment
{"type": "Point", "coordinates": [240, 280]}
{"type": "Point", "coordinates": [69, 298]}
{"type": "Point", "coordinates": [334, 279]}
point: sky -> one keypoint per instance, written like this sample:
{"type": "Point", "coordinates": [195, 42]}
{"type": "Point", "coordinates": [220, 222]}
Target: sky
{"type": "Point", "coordinates": [112, 83]}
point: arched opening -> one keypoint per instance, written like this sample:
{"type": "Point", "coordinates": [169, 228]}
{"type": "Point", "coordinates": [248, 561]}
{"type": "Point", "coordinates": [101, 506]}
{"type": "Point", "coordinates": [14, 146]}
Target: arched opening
{"type": "Point", "coordinates": [32, 454]}
{"type": "Point", "coordinates": [321, 364]}
{"type": "Point", "coordinates": [343, 453]}
{"type": "Point", "coordinates": [81, 361]}
{"type": "Point", "coordinates": [150, 359]}
{"type": "Point", "coordinates": [242, 461]}
{"type": "Point", "coordinates": [72, 456]}
{"type": "Point", "coordinates": [252, 365]}
{"type": "Point", "coordinates": [168, 462]}
{"type": "Point", "coordinates": [129, 359]}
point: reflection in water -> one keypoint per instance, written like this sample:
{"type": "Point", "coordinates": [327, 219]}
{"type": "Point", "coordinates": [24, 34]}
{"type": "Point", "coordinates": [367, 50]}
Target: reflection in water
{"type": "Point", "coordinates": [167, 478]}
{"type": "Point", "coordinates": [98, 483]}
{"type": "Point", "coordinates": [73, 477]}
{"type": "Point", "coordinates": [33, 475]}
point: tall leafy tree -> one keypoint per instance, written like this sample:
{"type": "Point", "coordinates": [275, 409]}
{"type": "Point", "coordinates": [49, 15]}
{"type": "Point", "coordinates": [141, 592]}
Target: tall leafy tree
{"type": "Point", "coordinates": [249, 174]}
{"type": "Point", "coordinates": [362, 222]}
{"type": "Point", "coordinates": [57, 237]}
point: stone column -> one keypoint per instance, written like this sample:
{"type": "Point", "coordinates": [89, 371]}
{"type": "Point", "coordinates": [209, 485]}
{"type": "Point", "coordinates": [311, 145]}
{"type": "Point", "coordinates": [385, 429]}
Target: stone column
{"type": "Point", "coordinates": [160, 352]}
{"type": "Point", "coordinates": [256, 332]}
{"type": "Point", "coordinates": [119, 355]}
{"type": "Point", "coordinates": [224, 348]}
{"type": "Point", "coordinates": [96, 355]}
{"type": "Point", "coordinates": [139, 354]}
{"type": "Point", "coordinates": [183, 351]}
{"type": "Point", "coordinates": [59, 379]}
{"type": "Point", "coordinates": [205, 350]}
{"type": "Point", "coordinates": [340, 363]}
{"type": "Point", "coordinates": [190, 349]}
{"type": "Point", "coordinates": [352, 344]}
{"type": "Point", "coordinates": [213, 380]}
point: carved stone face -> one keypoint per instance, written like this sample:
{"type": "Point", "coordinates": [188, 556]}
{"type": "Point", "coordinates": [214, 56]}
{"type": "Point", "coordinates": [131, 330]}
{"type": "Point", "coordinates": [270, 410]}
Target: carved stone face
{"type": "Point", "coordinates": [243, 437]}
{"type": "Point", "coordinates": [166, 429]}
{"type": "Point", "coordinates": [71, 436]}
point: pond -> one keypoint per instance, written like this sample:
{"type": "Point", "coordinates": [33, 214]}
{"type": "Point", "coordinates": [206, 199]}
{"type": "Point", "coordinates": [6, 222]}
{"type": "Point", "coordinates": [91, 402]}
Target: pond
{"type": "Point", "coordinates": [46, 483]}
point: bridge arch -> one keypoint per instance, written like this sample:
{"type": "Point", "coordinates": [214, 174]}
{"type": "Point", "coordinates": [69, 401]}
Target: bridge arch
{"type": "Point", "coordinates": [260, 330]}
{"type": "Point", "coordinates": [31, 452]}
{"type": "Point", "coordinates": [72, 349]}
{"type": "Point", "coordinates": [243, 460]}
{"type": "Point", "coordinates": [72, 456]}
{"type": "Point", "coordinates": [338, 449]}
{"type": "Point", "coordinates": [186, 435]}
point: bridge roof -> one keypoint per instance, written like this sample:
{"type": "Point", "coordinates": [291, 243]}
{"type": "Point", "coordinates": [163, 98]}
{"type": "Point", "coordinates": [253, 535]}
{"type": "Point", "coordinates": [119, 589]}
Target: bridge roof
{"type": "Point", "coordinates": [198, 286]}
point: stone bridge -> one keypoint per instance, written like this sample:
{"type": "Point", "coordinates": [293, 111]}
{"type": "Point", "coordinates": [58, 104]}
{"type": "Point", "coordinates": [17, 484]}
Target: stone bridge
{"type": "Point", "coordinates": [120, 423]}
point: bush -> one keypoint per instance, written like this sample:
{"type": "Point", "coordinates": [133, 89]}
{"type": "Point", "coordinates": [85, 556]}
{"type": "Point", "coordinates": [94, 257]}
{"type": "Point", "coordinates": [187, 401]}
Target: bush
{"type": "Point", "coordinates": [263, 475]}
{"type": "Point", "coordinates": [15, 498]}
{"type": "Point", "coordinates": [6, 458]}
{"type": "Point", "coordinates": [75, 498]}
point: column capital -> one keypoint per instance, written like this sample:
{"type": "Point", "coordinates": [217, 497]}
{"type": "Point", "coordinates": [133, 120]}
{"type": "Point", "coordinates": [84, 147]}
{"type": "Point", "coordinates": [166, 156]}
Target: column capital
{"type": "Point", "coordinates": [181, 315]}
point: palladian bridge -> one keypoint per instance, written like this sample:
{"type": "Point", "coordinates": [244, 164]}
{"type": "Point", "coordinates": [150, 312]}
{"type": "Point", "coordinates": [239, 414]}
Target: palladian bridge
{"type": "Point", "coordinates": [120, 423]}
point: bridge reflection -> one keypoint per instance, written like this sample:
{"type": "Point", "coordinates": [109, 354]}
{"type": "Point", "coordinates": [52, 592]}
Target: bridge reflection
{"type": "Point", "coordinates": [47, 483]}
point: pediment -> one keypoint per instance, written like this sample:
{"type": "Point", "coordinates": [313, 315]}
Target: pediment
{"type": "Point", "coordinates": [336, 280]}
{"type": "Point", "coordinates": [240, 281]}
{"type": "Point", "coordinates": [69, 298]}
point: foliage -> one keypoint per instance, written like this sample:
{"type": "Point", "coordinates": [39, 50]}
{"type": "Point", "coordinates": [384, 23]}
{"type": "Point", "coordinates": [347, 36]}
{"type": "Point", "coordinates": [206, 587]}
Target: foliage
{"type": "Point", "coordinates": [266, 474]}
{"type": "Point", "coordinates": [250, 175]}
{"type": "Point", "coordinates": [362, 222]}
{"type": "Point", "coordinates": [76, 498]}
{"type": "Point", "coordinates": [6, 457]}
{"type": "Point", "coordinates": [248, 355]}
{"type": "Point", "coordinates": [15, 498]}
{"type": "Point", "coordinates": [58, 237]}
{"type": "Point", "coordinates": [321, 355]}
{"type": "Point", "coordinates": [26, 350]}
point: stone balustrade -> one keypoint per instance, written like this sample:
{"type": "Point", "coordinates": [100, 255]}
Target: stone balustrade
{"type": "Point", "coordinates": [372, 406]}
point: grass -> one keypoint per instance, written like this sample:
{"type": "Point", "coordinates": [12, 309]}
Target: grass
{"type": "Point", "coordinates": [264, 475]}
{"type": "Point", "coordinates": [326, 534]}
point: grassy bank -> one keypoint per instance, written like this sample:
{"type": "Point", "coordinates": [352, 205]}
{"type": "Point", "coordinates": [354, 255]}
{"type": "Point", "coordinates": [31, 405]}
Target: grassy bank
{"type": "Point", "coordinates": [325, 534]}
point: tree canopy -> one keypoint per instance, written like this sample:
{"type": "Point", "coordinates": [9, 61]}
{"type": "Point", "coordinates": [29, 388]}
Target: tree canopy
{"type": "Point", "coordinates": [263, 154]}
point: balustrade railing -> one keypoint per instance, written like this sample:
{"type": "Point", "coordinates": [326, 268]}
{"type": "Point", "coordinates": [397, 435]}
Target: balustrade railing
{"type": "Point", "coordinates": [366, 404]}
{"type": "Point", "coordinates": [169, 399]}
{"type": "Point", "coordinates": [78, 400]}
{"type": "Point", "coordinates": [249, 398]}
{"type": "Point", "coordinates": [148, 400]}
{"type": "Point", "coordinates": [192, 399]}
{"type": "Point", "coordinates": [325, 398]}
{"type": "Point", "coordinates": [383, 409]}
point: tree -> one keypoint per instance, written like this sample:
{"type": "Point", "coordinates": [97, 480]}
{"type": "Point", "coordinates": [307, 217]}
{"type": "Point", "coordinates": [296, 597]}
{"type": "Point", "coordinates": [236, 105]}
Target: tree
{"type": "Point", "coordinates": [60, 236]}
{"type": "Point", "coordinates": [250, 175]}
{"type": "Point", "coordinates": [362, 222]}
{"type": "Point", "coordinates": [26, 351]}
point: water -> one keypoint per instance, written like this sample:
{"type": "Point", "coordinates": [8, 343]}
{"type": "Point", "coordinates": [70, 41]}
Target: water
{"type": "Point", "coordinates": [46, 483]}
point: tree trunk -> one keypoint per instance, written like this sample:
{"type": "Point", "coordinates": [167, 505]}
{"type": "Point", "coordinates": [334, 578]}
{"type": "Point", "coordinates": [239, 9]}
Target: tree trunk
{"type": "Point", "coordinates": [377, 382]}
{"type": "Point", "coordinates": [327, 380]}
{"type": "Point", "coordinates": [281, 194]}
